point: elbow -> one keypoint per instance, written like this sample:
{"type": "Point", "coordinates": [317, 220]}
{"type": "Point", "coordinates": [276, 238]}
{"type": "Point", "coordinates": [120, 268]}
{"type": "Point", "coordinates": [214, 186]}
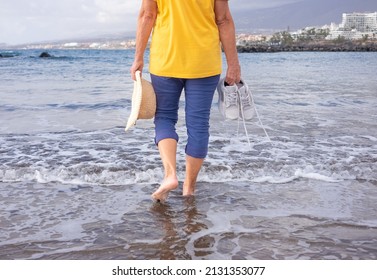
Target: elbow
{"type": "Point", "coordinates": [222, 21]}
{"type": "Point", "coordinates": [148, 17]}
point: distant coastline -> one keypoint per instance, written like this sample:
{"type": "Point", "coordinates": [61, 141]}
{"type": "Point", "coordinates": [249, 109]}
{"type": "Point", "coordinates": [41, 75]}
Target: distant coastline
{"type": "Point", "coordinates": [320, 46]}
{"type": "Point", "coordinates": [280, 42]}
{"type": "Point", "coordinates": [246, 47]}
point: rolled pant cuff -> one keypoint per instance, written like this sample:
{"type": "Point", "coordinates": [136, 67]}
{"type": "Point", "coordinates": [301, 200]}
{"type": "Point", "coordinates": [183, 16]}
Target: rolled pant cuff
{"type": "Point", "coordinates": [196, 153]}
{"type": "Point", "coordinates": [165, 135]}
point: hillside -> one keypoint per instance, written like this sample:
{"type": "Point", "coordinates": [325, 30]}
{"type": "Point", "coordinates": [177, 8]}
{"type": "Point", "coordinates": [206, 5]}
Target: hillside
{"type": "Point", "coordinates": [298, 15]}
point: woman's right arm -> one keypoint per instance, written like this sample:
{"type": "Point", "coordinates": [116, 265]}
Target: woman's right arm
{"type": "Point", "coordinates": [227, 33]}
{"type": "Point", "coordinates": [145, 23]}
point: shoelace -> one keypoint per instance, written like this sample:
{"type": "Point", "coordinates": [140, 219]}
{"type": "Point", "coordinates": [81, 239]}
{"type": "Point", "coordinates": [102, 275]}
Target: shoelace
{"type": "Point", "coordinates": [231, 99]}
{"type": "Point", "coordinates": [241, 106]}
{"type": "Point", "coordinates": [245, 99]}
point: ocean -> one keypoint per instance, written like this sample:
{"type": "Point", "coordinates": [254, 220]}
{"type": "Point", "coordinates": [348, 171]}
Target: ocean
{"type": "Point", "coordinates": [75, 185]}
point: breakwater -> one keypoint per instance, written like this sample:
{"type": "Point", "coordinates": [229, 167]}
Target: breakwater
{"type": "Point", "coordinates": [310, 47]}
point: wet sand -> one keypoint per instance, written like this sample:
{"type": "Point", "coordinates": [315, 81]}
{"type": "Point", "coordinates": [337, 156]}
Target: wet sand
{"type": "Point", "coordinates": [305, 219]}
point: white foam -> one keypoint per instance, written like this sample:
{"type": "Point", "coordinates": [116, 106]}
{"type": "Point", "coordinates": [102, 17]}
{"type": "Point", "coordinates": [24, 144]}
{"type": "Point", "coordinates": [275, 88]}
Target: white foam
{"type": "Point", "coordinates": [274, 180]}
{"type": "Point", "coordinates": [371, 138]}
{"type": "Point", "coordinates": [315, 176]}
{"type": "Point", "coordinates": [298, 174]}
{"type": "Point", "coordinates": [214, 171]}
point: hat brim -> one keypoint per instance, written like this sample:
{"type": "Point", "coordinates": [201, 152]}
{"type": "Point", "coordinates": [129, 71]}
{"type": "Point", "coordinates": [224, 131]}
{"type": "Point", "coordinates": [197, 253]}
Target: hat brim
{"type": "Point", "coordinates": [143, 101]}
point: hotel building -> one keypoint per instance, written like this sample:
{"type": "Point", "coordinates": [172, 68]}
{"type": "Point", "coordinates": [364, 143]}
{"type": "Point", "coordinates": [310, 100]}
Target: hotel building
{"type": "Point", "coordinates": [356, 26]}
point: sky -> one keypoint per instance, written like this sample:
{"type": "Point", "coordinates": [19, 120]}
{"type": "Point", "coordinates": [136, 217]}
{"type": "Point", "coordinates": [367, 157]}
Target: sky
{"type": "Point", "coordinates": [29, 21]}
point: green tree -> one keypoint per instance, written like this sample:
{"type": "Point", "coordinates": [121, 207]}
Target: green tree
{"type": "Point", "coordinates": [365, 37]}
{"type": "Point", "coordinates": [340, 39]}
{"type": "Point", "coordinates": [287, 39]}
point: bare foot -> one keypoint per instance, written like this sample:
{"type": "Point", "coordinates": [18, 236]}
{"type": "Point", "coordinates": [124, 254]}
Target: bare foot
{"type": "Point", "coordinates": [161, 194]}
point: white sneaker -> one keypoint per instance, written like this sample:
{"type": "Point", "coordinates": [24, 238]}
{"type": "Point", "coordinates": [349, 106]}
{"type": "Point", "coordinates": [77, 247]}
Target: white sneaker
{"type": "Point", "coordinates": [228, 100]}
{"type": "Point", "coordinates": [247, 109]}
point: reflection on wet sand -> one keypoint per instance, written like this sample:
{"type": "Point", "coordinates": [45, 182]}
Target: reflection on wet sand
{"type": "Point", "coordinates": [177, 227]}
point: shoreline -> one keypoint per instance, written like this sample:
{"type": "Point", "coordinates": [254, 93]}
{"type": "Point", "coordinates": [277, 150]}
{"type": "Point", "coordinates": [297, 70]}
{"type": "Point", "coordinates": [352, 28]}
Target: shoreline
{"type": "Point", "coordinates": [310, 47]}
{"type": "Point", "coordinates": [246, 47]}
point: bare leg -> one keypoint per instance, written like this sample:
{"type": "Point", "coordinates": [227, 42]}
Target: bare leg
{"type": "Point", "coordinates": [193, 166]}
{"type": "Point", "coordinates": [168, 151]}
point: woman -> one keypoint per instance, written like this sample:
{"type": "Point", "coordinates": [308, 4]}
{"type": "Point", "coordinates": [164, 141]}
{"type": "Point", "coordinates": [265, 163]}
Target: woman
{"type": "Point", "coordinates": [185, 54]}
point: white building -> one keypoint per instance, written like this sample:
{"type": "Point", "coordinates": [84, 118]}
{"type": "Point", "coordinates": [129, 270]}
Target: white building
{"type": "Point", "coordinates": [363, 22]}
{"type": "Point", "coordinates": [355, 26]}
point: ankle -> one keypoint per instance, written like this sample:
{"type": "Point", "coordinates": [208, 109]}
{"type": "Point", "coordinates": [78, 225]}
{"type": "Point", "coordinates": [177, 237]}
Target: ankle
{"type": "Point", "coordinates": [170, 181]}
{"type": "Point", "coordinates": [188, 189]}
{"type": "Point", "coordinates": [170, 177]}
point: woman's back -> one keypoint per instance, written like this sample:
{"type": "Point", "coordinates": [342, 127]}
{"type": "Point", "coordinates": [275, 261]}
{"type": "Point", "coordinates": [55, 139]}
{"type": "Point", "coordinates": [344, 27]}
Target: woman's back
{"type": "Point", "coordinates": [185, 42]}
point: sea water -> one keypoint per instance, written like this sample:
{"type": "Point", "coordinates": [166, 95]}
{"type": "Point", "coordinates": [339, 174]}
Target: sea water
{"type": "Point", "coordinates": [75, 185]}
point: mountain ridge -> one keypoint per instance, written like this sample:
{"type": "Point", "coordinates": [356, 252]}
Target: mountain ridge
{"type": "Point", "coordinates": [299, 14]}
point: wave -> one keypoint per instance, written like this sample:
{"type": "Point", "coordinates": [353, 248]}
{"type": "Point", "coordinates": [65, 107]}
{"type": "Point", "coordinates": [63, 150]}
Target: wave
{"type": "Point", "coordinates": [115, 104]}
{"type": "Point", "coordinates": [52, 57]}
{"type": "Point", "coordinates": [112, 157]}
{"type": "Point", "coordinates": [298, 174]}
{"type": "Point", "coordinates": [92, 174]}
{"type": "Point", "coordinates": [9, 54]}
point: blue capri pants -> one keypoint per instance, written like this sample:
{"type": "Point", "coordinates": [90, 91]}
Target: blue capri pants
{"type": "Point", "coordinates": [198, 100]}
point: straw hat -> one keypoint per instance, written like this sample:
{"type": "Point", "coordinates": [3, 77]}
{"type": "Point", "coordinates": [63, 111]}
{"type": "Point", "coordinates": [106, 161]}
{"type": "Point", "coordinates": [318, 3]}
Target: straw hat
{"type": "Point", "coordinates": [143, 101]}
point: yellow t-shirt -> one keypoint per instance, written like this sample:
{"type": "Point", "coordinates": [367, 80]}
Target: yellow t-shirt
{"type": "Point", "coordinates": [185, 40]}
